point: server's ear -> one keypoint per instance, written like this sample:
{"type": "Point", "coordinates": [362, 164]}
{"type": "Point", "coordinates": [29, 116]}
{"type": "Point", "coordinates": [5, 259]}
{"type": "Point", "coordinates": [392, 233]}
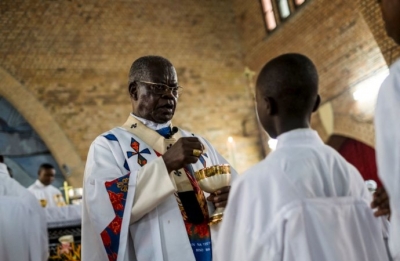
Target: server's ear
{"type": "Point", "coordinates": [271, 106]}
{"type": "Point", "coordinates": [317, 103]}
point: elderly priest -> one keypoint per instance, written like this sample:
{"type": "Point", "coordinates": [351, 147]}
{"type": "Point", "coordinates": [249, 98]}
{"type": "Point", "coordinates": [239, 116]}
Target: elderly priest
{"type": "Point", "coordinates": [141, 200]}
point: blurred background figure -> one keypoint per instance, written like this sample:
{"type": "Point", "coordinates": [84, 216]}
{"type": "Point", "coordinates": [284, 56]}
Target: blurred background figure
{"type": "Point", "coordinates": [23, 227]}
{"type": "Point", "coordinates": [42, 188]}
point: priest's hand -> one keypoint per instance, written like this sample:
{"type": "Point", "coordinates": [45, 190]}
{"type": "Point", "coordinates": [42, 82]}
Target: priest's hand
{"type": "Point", "coordinates": [186, 150]}
{"type": "Point", "coordinates": [220, 197]}
{"type": "Point", "coordinates": [381, 202]}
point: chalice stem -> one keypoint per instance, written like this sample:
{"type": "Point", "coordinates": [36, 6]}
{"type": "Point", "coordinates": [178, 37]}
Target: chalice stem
{"type": "Point", "coordinates": [217, 216]}
{"type": "Point", "coordinates": [219, 211]}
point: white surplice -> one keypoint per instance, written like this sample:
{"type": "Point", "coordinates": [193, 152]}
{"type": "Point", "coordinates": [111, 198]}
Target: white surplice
{"type": "Point", "coordinates": [23, 230]}
{"type": "Point", "coordinates": [49, 193]}
{"type": "Point", "coordinates": [387, 131]}
{"type": "Point", "coordinates": [144, 222]}
{"type": "Point", "coordinates": [301, 167]}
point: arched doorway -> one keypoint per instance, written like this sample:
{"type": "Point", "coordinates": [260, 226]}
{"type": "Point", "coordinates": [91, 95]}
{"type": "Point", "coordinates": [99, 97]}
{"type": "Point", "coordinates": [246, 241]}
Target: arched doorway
{"type": "Point", "coordinates": [44, 125]}
{"type": "Point", "coordinates": [358, 154]}
{"type": "Point", "coordinates": [23, 149]}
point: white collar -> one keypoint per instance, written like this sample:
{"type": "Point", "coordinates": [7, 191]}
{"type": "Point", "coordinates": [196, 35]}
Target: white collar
{"type": "Point", "coordinates": [3, 169]}
{"type": "Point", "coordinates": [40, 184]}
{"type": "Point", "coordinates": [152, 125]}
{"type": "Point", "coordinates": [298, 136]}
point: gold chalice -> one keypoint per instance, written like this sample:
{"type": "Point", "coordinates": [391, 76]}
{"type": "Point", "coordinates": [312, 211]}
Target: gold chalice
{"type": "Point", "coordinates": [212, 179]}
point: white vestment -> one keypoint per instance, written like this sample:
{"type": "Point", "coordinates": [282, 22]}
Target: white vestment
{"type": "Point", "coordinates": [23, 229]}
{"type": "Point", "coordinates": [50, 193]}
{"type": "Point", "coordinates": [301, 167]}
{"type": "Point", "coordinates": [130, 211]}
{"type": "Point", "coordinates": [387, 131]}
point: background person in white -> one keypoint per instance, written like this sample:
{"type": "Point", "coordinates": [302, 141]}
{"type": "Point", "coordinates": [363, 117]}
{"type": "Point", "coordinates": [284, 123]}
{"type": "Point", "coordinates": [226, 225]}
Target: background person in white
{"type": "Point", "coordinates": [42, 188]}
{"type": "Point", "coordinates": [23, 229]}
{"type": "Point", "coordinates": [387, 131]}
{"type": "Point", "coordinates": [301, 167]}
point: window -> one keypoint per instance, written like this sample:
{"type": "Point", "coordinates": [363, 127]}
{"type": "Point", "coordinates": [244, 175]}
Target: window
{"type": "Point", "coordinates": [269, 14]}
{"type": "Point", "coordinates": [277, 11]}
{"type": "Point", "coordinates": [284, 9]}
{"type": "Point", "coordinates": [299, 2]}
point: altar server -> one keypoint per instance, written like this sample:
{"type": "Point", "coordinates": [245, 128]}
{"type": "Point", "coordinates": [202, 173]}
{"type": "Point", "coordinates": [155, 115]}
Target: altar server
{"type": "Point", "coordinates": [141, 201]}
{"type": "Point", "coordinates": [23, 227]}
{"type": "Point", "coordinates": [387, 129]}
{"type": "Point", "coordinates": [42, 188]}
{"type": "Point", "coordinates": [283, 208]}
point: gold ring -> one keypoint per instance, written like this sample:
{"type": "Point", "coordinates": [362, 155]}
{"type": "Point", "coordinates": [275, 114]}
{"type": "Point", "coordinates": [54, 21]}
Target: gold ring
{"type": "Point", "coordinates": [197, 153]}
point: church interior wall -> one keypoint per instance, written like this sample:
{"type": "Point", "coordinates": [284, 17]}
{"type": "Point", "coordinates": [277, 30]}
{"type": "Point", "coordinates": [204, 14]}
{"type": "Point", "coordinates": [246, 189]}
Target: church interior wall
{"type": "Point", "coordinates": [373, 17]}
{"type": "Point", "coordinates": [73, 58]}
{"type": "Point", "coordinates": [337, 37]}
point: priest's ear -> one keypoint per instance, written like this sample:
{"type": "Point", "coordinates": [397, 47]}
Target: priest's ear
{"type": "Point", "coordinates": [133, 90]}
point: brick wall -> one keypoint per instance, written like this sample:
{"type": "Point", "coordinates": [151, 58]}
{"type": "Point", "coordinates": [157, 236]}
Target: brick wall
{"type": "Point", "coordinates": [372, 15]}
{"type": "Point", "coordinates": [74, 56]}
{"type": "Point", "coordinates": [334, 34]}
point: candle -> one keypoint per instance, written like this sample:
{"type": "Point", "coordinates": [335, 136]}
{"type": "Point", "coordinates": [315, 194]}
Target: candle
{"type": "Point", "coordinates": [231, 150]}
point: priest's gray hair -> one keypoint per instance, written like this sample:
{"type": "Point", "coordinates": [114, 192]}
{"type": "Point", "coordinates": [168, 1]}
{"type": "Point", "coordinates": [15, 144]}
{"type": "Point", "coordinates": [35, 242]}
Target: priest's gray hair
{"type": "Point", "coordinates": [140, 67]}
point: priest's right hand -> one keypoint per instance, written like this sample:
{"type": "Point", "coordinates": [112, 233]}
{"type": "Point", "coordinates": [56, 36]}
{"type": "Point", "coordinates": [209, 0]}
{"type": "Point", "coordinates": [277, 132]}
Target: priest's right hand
{"type": "Point", "coordinates": [381, 203]}
{"type": "Point", "coordinates": [181, 153]}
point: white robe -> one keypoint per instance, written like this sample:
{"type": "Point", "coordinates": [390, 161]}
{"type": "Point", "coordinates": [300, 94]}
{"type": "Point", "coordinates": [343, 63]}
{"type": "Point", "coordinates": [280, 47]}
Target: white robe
{"type": "Point", "coordinates": [387, 131]}
{"type": "Point", "coordinates": [49, 193]}
{"type": "Point", "coordinates": [301, 167]}
{"type": "Point", "coordinates": [23, 230]}
{"type": "Point", "coordinates": [151, 224]}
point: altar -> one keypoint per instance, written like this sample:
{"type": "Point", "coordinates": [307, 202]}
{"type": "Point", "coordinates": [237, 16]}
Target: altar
{"type": "Point", "coordinates": [64, 228]}
{"type": "Point", "coordinates": [63, 222]}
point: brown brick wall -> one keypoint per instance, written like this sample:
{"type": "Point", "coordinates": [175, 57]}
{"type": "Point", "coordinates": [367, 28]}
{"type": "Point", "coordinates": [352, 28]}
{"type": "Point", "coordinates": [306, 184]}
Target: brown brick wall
{"type": "Point", "coordinates": [372, 15]}
{"type": "Point", "coordinates": [74, 56]}
{"type": "Point", "coordinates": [333, 34]}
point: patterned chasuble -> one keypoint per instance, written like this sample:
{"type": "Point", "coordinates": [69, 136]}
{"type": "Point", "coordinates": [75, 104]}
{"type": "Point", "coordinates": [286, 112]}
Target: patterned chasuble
{"type": "Point", "coordinates": [199, 233]}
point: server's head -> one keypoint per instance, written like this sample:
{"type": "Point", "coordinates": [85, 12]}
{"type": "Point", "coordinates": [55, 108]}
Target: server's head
{"type": "Point", "coordinates": [286, 93]}
{"type": "Point", "coordinates": [391, 16]}
{"type": "Point", "coordinates": [153, 88]}
{"type": "Point", "coordinates": [46, 174]}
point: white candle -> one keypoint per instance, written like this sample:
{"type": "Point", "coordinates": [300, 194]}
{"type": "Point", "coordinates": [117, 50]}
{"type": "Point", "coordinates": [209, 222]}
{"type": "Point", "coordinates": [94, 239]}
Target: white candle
{"type": "Point", "coordinates": [231, 150]}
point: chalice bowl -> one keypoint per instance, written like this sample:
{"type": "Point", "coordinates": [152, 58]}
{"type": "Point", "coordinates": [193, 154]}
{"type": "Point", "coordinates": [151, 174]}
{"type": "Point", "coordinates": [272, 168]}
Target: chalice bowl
{"type": "Point", "coordinates": [212, 179]}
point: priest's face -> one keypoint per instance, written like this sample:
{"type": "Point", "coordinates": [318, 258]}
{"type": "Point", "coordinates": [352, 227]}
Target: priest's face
{"type": "Point", "coordinates": [46, 176]}
{"type": "Point", "coordinates": [155, 96]}
{"type": "Point", "coordinates": [391, 16]}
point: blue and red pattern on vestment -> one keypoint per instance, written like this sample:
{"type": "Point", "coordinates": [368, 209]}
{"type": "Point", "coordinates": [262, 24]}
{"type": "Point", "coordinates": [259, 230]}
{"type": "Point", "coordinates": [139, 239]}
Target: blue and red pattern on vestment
{"type": "Point", "coordinates": [135, 145]}
{"type": "Point", "coordinates": [199, 234]}
{"type": "Point", "coordinates": [117, 192]}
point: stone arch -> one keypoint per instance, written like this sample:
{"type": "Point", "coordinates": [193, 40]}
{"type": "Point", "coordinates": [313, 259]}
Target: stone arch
{"type": "Point", "coordinates": [42, 121]}
{"type": "Point", "coordinates": [328, 122]}
{"type": "Point", "coordinates": [361, 131]}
